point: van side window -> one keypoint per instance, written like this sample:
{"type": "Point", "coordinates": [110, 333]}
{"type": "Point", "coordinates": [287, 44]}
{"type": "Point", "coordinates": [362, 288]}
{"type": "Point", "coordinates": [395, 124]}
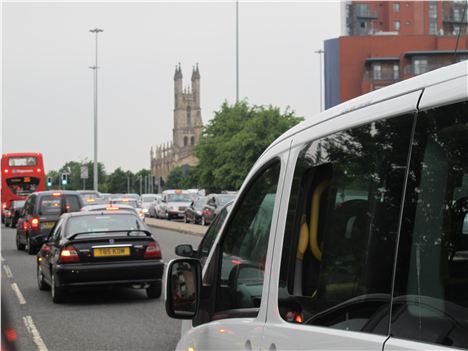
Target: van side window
{"type": "Point", "coordinates": [244, 246]}
{"type": "Point", "coordinates": [430, 301]}
{"type": "Point", "coordinates": [342, 225]}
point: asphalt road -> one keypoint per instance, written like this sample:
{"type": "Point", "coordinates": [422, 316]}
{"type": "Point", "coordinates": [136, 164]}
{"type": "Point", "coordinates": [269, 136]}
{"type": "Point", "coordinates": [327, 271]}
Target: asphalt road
{"type": "Point", "coordinates": [92, 319]}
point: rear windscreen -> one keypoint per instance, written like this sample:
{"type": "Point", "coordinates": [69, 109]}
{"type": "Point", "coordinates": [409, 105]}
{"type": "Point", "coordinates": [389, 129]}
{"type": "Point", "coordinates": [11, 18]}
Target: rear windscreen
{"type": "Point", "coordinates": [22, 186]}
{"type": "Point", "coordinates": [49, 205]}
{"type": "Point", "coordinates": [52, 204]}
{"type": "Point", "coordinates": [22, 161]}
{"type": "Point", "coordinates": [103, 223]}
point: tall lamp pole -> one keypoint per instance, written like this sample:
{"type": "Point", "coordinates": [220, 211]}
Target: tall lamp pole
{"type": "Point", "coordinates": [320, 52]}
{"type": "Point", "coordinates": [95, 69]}
{"type": "Point", "coordinates": [237, 51]}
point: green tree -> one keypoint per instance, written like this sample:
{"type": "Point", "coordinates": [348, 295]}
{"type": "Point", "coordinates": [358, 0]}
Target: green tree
{"type": "Point", "coordinates": [117, 181]}
{"type": "Point", "coordinates": [182, 178]}
{"type": "Point", "coordinates": [234, 139]}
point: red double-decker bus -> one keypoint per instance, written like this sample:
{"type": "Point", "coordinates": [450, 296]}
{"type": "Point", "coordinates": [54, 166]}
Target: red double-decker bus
{"type": "Point", "coordinates": [22, 174]}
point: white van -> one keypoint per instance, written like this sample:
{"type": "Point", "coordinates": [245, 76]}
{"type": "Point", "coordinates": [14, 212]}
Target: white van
{"type": "Point", "coordinates": [347, 233]}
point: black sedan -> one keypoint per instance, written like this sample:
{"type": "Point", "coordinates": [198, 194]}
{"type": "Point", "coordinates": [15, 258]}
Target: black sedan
{"type": "Point", "coordinates": [193, 213]}
{"type": "Point", "coordinates": [95, 249]}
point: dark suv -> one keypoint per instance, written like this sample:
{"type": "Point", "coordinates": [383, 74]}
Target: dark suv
{"type": "Point", "coordinates": [40, 213]}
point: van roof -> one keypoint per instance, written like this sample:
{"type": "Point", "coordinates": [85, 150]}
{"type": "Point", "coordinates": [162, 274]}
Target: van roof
{"type": "Point", "coordinates": [401, 88]}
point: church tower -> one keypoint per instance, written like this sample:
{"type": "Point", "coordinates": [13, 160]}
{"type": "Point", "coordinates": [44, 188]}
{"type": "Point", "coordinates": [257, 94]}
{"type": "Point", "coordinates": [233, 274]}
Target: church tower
{"type": "Point", "coordinates": [187, 114]}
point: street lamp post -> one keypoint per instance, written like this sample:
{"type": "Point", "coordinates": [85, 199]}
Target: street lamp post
{"type": "Point", "coordinates": [237, 51]}
{"type": "Point", "coordinates": [320, 52]}
{"type": "Point", "coordinates": [95, 69]}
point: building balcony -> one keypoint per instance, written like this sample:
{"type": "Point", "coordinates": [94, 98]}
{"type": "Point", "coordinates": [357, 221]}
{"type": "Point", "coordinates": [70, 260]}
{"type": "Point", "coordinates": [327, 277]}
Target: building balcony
{"type": "Point", "coordinates": [365, 14]}
{"type": "Point", "coordinates": [411, 70]}
{"type": "Point", "coordinates": [455, 19]}
{"type": "Point", "coordinates": [389, 77]}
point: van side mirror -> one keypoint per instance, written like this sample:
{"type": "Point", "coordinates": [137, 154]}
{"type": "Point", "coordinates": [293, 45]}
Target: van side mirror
{"type": "Point", "coordinates": [183, 286]}
{"type": "Point", "coordinates": [184, 250]}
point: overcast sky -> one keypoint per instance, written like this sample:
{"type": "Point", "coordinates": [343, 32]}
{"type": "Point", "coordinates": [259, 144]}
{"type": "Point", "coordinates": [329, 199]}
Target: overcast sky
{"type": "Point", "coordinates": [47, 85]}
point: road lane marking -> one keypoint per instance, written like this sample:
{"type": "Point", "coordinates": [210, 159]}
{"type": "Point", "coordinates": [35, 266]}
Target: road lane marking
{"type": "Point", "coordinates": [18, 293]}
{"type": "Point", "coordinates": [7, 270]}
{"type": "Point", "coordinates": [29, 323]}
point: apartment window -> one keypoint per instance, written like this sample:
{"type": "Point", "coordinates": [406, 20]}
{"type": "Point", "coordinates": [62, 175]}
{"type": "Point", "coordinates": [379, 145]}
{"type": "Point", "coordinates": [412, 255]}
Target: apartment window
{"type": "Point", "coordinates": [376, 71]}
{"type": "Point", "coordinates": [396, 71]}
{"type": "Point", "coordinates": [432, 9]}
{"type": "Point", "coordinates": [419, 66]}
{"type": "Point", "coordinates": [396, 25]}
{"type": "Point", "coordinates": [396, 7]}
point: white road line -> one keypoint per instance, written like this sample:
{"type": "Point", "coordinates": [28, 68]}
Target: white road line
{"type": "Point", "coordinates": [7, 270]}
{"type": "Point", "coordinates": [29, 323]}
{"type": "Point", "coordinates": [18, 293]}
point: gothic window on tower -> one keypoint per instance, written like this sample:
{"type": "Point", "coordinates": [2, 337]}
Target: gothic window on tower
{"type": "Point", "coordinates": [192, 140]}
{"type": "Point", "coordinates": [185, 141]}
{"type": "Point", "coordinates": [189, 113]}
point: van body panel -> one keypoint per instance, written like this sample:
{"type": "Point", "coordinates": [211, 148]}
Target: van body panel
{"type": "Point", "coordinates": [289, 336]}
{"type": "Point", "coordinates": [388, 108]}
{"type": "Point", "coordinates": [394, 344]}
{"type": "Point", "coordinates": [228, 334]}
{"type": "Point", "coordinates": [449, 91]}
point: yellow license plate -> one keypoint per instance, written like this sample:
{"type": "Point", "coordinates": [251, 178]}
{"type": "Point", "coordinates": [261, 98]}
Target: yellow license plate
{"type": "Point", "coordinates": [48, 225]}
{"type": "Point", "coordinates": [112, 251]}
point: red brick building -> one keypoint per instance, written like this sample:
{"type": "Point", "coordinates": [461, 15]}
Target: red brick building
{"type": "Point", "coordinates": [390, 41]}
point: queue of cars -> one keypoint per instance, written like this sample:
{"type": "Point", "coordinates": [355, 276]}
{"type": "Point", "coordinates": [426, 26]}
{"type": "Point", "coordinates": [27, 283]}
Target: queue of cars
{"type": "Point", "coordinates": [189, 206]}
{"type": "Point", "coordinates": [82, 243]}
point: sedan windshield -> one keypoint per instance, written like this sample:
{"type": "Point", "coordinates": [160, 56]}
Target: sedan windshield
{"type": "Point", "coordinates": [102, 223]}
{"type": "Point", "coordinates": [179, 198]}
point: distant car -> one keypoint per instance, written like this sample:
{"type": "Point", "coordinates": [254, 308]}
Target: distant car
{"type": "Point", "coordinates": [132, 196]}
{"type": "Point", "coordinates": [214, 204]}
{"type": "Point", "coordinates": [193, 213]}
{"type": "Point", "coordinates": [153, 208]}
{"type": "Point", "coordinates": [146, 200]}
{"type": "Point", "coordinates": [88, 249]}
{"type": "Point", "coordinates": [173, 204]}
{"type": "Point", "coordinates": [90, 196]}
{"type": "Point", "coordinates": [108, 207]}
{"type": "Point", "coordinates": [40, 213]}
{"type": "Point", "coordinates": [130, 202]}
{"type": "Point", "coordinates": [205, 245]}
{"type": "Point", "coordinates": [12, 214]}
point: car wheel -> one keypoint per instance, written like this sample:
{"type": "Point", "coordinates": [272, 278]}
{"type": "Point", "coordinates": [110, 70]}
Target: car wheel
{"type": "Point", "coordinates": [154, 290]}
{"type": "Point", "coordinates": [41, 284]}
{"type": "Point", "coordinates": [185, 219]}
{"type": "Point", "coordinates": [58, 294]}
{"type": "Point", "coordinates": [19, 246]}
{"type": "Point", "coordinates": [29, 247]}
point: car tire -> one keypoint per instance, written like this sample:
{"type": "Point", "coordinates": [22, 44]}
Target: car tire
{"type": "Point", "coordinates": [41, 284]}
{"type": "Point", "coordinates": [19, 246]}
{"type": "Point", "coordinates": [29, 247]}
{"type": "Point", "coordinates": [58, 294]}
{"type": "Point", "coordinates": [185, 219]}
{"type": "Point", "coordinates": [154, 290]}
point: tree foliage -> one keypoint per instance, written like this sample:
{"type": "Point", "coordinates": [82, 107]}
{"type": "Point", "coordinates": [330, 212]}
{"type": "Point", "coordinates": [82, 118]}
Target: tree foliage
{"type": "Point", "coordinates": [182, 178]}
{"type": "Point", "coordinates": [234, 139]}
